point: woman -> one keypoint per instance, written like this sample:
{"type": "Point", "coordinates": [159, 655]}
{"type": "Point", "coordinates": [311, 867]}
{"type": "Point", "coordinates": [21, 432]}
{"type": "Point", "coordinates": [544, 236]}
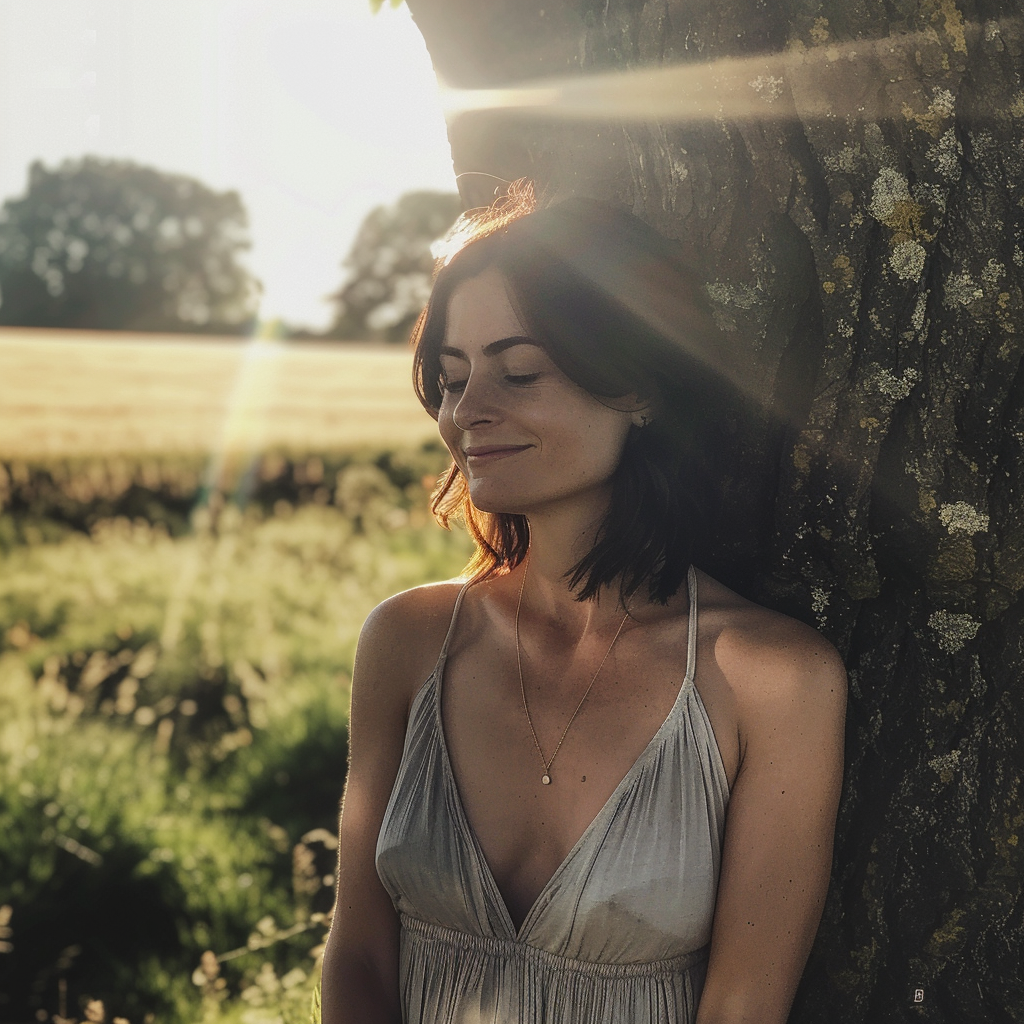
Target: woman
{"type": "Point", "coordinates": [601, 805]}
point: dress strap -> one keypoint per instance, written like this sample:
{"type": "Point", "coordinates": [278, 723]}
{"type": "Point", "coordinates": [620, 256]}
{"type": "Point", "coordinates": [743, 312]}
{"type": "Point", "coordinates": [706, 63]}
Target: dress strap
{"type": "Point", "coordinates": [451, 626]}
{"type": "Point", "coordinates": [691, 644]}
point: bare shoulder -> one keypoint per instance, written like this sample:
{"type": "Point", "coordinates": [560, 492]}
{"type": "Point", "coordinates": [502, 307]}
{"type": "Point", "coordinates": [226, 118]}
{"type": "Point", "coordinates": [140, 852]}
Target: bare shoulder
{"type": "Point", "coordinates": [417, 613]}
{"type": "Point", "coordinates": [770, 659]}
{"type": "Point", "coordinates": [402, 637]}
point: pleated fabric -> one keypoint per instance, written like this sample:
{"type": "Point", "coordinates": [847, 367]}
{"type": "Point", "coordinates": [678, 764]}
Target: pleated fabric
{"type": "Point", "coordinates": [620, 931]}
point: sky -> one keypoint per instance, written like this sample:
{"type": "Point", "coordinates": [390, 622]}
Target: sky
{"type": "Point", "coordinates": [315, 111]}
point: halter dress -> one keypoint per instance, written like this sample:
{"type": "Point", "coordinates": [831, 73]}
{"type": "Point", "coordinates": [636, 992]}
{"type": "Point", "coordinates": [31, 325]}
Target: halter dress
{"type": "Point", "coordinates": [619, 933]}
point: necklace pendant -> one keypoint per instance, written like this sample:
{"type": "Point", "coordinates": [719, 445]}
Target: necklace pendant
{"type": "Point", "coordinates": [545, 779]}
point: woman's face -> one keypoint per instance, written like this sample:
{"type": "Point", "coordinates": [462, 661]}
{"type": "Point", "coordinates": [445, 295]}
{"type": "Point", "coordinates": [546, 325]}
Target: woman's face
{"type": "Point", "coordinates": [524, 435]}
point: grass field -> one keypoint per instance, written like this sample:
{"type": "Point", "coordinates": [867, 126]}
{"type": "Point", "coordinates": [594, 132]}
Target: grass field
{"type": "Point", "coordinates": [173, 716]}
{"type": "Point", "coordinates": [66, 393]}
{"type": "Point", "coordinates": [191, 533]}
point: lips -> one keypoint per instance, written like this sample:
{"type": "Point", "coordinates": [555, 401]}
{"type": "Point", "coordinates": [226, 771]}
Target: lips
{"type": "Point", "coordinates": [493, 451]}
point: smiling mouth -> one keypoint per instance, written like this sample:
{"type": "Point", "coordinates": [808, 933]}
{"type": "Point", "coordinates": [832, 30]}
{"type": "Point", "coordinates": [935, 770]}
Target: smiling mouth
{"type": "Point", "coordinates": [491, 452]}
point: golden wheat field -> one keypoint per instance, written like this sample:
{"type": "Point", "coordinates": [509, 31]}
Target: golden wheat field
{"type": "Point", "coordinates": [66, 393]}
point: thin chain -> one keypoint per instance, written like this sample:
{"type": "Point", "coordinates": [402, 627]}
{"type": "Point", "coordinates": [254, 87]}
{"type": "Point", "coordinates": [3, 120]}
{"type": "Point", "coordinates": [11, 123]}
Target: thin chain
{"type": "Point", "coordinates": [548, 762]}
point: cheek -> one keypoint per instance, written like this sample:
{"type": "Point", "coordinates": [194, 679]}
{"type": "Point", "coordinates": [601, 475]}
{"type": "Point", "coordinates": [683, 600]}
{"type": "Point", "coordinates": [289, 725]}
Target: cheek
{"type": "Point", "coordinates": [598, 451]}
{"type": "Point", "coordinates": [596, 437]}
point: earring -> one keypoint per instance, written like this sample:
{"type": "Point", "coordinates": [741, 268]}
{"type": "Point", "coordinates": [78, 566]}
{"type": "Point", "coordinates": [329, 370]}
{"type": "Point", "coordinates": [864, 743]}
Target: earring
{"type": "Point", "coordinates": [643, 421]}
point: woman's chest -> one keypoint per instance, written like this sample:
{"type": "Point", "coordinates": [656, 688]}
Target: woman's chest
{"type": "Point", "coordinates": [505, 735]}
{"type": "Point", "coordinates": [637, 884]}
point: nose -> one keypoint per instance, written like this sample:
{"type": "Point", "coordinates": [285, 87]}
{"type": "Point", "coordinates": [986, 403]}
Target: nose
{"type": "Point", "coordinates": [476, 406]}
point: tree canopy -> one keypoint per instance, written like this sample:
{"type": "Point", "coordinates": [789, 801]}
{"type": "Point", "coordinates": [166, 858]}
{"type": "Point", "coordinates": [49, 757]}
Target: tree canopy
{"type": "Point", "coordinates": [111, 245]}
{"type": "Point", "coordinates": [390, 267]}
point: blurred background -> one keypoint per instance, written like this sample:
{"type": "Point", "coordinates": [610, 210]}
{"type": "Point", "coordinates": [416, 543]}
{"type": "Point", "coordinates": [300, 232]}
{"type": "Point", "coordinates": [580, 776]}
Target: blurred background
{"type": "Point", "coordinates": [215, 220]}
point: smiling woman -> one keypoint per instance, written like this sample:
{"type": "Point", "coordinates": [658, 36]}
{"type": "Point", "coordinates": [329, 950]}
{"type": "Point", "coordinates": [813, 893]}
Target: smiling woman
{"type": "Point", "coordinates": [514, 401]}
{"type": "Point", "coordinates": [625, 330]}
{"type": "Point", "coordinates": [596, 807]}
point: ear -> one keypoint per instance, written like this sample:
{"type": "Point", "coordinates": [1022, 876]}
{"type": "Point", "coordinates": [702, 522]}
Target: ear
{"type": "Point", "coordinates": [641, 414]}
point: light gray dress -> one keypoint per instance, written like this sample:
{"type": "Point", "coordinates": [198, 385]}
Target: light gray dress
{"type": "Point", "coordinates": [620, 931]}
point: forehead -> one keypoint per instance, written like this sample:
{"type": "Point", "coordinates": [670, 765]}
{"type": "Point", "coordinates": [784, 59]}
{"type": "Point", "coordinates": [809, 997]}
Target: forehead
{"type": "Point", "coordinates": [480, 312]}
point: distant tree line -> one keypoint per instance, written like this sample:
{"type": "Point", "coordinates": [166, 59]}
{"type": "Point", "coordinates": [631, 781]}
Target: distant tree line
{"type": "Point", "coordinates": [390, 267]}
{"type": "Point", "coordinates": [111, 245]}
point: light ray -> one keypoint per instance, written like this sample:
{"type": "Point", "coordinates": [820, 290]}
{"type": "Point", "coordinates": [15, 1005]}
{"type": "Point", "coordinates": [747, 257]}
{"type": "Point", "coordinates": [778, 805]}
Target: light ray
{"type": "Point", "coordinates": [242, 438]}
{"type": "Point", "coordinates": [820, 82]}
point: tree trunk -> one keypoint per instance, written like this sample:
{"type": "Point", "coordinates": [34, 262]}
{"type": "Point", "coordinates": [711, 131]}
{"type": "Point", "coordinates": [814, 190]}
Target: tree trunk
{"type": "Point", "coordinates": [852, 178]}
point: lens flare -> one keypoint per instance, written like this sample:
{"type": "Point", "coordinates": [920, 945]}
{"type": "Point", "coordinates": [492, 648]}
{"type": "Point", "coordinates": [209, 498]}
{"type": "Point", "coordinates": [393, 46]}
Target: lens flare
{"type": "Point", "coordinates": [830, 80]}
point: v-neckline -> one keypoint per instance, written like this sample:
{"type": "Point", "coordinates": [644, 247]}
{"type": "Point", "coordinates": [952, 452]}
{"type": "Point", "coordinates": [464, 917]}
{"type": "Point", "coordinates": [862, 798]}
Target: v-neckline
{"type": "Point", "coordinates": [462, 819]}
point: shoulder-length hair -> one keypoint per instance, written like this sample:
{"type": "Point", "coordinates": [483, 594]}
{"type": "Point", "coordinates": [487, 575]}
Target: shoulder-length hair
{"type": "Point", "coordinates": [620, 312]}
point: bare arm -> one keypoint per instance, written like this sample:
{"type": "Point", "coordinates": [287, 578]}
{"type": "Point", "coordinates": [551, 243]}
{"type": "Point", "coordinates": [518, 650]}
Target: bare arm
{"type": "Point", "coordinates": [779, 829]}
{"type": "Point", "coordinates": [360, 969]}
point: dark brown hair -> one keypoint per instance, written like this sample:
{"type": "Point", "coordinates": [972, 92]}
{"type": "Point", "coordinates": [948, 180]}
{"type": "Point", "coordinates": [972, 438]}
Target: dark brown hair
{"type": "Point", "coordinates": [619, 312]}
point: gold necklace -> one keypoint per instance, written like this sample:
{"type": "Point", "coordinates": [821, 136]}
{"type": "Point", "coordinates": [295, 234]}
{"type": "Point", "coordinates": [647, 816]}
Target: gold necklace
{"type": "Point", "coordinates": [547, 762]}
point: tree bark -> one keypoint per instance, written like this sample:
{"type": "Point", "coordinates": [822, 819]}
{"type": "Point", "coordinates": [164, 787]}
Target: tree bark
{"type": "Point", "coordinates": [854, 185]}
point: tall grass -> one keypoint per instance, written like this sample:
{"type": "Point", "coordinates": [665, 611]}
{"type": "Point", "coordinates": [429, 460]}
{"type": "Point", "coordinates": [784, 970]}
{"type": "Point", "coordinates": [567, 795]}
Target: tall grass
{"type": "Point", "coordinates": [173, 710]}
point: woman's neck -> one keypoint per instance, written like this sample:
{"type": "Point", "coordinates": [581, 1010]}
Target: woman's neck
{"type": "Point", "coordinates": [557, 543]}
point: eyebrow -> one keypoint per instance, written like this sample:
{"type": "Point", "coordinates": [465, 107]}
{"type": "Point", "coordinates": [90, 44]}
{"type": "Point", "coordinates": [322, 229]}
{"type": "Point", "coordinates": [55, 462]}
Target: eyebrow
{"type": "Point", "coordinates": [493, 349]}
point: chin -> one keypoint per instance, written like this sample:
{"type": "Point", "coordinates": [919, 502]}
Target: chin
{"type": "Point", "coordinates": [493, 507]}
{"type": "Point", "coordinates": [487, 499]}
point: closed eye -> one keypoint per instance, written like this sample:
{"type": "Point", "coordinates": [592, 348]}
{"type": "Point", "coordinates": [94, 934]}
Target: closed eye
{"type": "Point", "coordinates": [456, 387]}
